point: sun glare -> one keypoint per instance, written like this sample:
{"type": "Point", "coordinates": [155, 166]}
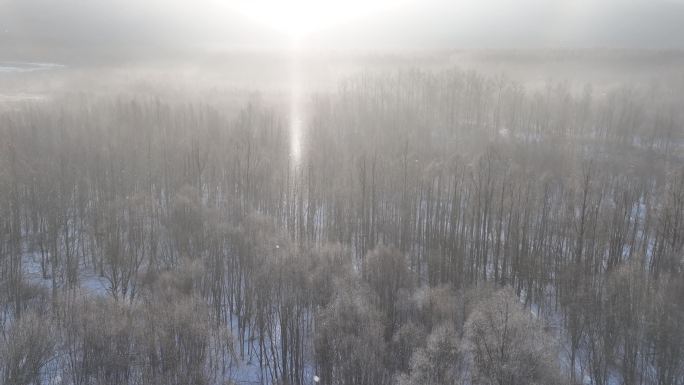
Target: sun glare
{"type": "Point", "coordinates": [297, 18]}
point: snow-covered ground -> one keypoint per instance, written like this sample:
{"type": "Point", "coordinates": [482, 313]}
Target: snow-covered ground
{"type": "Point", "coordinates": [11, 97]}
{"type": "Point", "coordinates": [89, 283]}
{"type": "Point", "coordinates": [19, 67]}
{"type": "Point", "coordinates": [246, 370]}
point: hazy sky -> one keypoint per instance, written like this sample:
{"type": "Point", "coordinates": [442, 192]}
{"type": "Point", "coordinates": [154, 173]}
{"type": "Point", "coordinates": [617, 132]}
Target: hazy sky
{"type": "Point", "coordinates": [410, 24]}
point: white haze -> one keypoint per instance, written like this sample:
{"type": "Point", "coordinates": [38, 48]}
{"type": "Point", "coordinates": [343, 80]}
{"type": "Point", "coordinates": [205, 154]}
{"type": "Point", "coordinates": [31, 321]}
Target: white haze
{"type": "Point", "coordinates": [108, 26]}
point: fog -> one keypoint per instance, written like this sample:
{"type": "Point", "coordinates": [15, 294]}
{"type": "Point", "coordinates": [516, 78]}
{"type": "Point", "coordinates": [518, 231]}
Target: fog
{"type": "Point", "coordinates": [348, 192]}
{"type": "Point", "coordinates": [85, 28]}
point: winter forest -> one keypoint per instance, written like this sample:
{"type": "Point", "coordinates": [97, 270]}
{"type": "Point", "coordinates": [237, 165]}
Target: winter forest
{"type": "Point", "coordinates": [430, 223]}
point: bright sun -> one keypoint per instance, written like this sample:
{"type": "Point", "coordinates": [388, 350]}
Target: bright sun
{"type": "Point", "coordinates": [298, 18]}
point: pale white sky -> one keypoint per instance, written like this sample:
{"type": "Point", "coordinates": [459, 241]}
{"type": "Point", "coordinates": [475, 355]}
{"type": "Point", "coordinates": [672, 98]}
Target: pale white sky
{"type": "Point", "coordinates": [350, 24]}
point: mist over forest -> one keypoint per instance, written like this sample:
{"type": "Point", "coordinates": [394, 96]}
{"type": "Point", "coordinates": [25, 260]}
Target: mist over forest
{"type": "Point", "coordinates": [341, 193]}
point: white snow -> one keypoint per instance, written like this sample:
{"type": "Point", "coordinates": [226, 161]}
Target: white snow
{"type": "Point", "coordinates": [18, 66]}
